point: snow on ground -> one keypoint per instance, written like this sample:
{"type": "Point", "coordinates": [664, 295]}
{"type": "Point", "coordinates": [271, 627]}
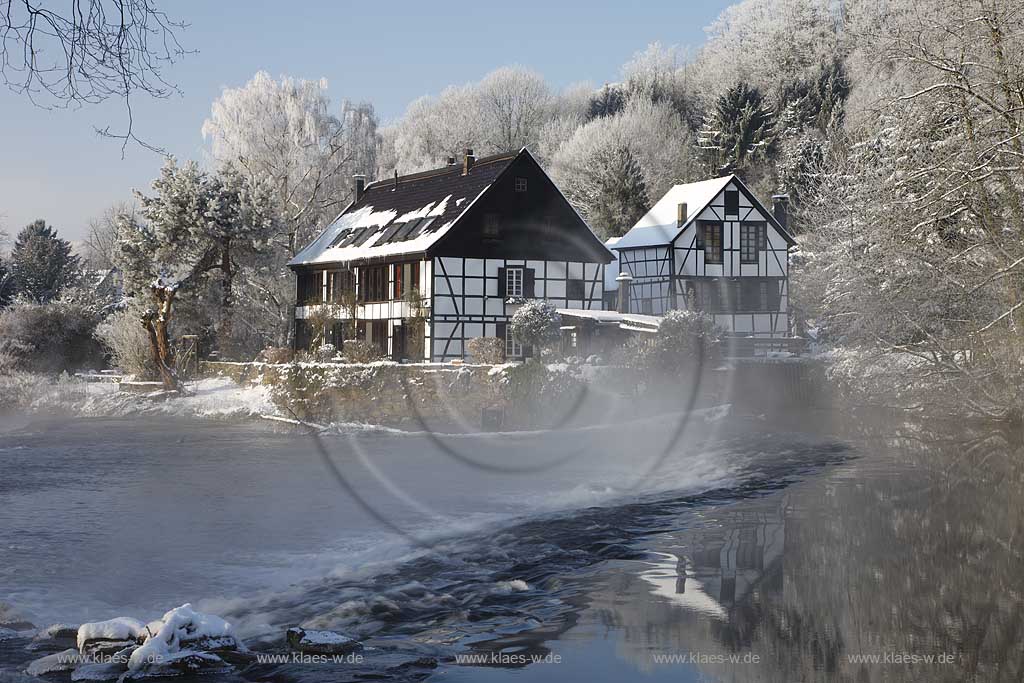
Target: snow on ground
{"type": "Point", "coordinates": [214, 397]}
{"type": "Point", "coordinates": [221, 397]}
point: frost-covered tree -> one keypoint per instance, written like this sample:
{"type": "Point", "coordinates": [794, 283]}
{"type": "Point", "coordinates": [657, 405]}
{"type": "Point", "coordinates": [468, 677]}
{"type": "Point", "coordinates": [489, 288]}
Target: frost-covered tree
{"type": "Point", "coordinates": [685, 342]}
{"type": "Point", "coordinates": [918, 260]}
{"type": "Point", "coordinates": [768, 43]}
{"type": "Point", "coordinates": [285, 133]}
{"type": "Point", "coordinates": [42, 263]}
{"type": "Point", "coordinates": [536, 324]}
{"type": "Point", "coordinates": [801, 164]}
{"type": "Point", "coordinates": [816, 101]}
{"type": "Point", "coordinates": [597, 167]}
{"type": "Point", "coordinates": [658, 74]}
{"type": "Point", "coordinates": [193, 227]}
{"type": "Point", "coordinates": [738, 131]}
{"type": "Point", "coordinates": [101, 242]}
{"type": "Point", "coordinates": [504, 112]}
{"type": "Point", "coordinates": [616, 196]}
{"type": "Point", "coordinates": [6, 283]}
{"type": "Point", "coordinates": [513, 103]}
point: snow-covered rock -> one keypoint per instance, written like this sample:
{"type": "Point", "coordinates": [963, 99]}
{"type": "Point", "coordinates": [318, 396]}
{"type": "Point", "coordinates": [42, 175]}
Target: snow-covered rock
{"type": "Point", "coordinates": [182, 630]}
{"type": "Point", "coordinates": [107, 637]}
{"type": "Point", "coordinates": [183, 662]}
{"type": "Point", "coordinates": [14, 619]}
{"type": "Point", "coordinates": [55, 637]}
{"type": "Point", "coordinates": [513, 586]}
{"type": "Point", "coordinates": [182, 642]}
{"type": "Point", "coordinates": [321, 642]}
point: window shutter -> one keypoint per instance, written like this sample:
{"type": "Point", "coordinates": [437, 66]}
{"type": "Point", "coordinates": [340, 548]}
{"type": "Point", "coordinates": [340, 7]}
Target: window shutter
{"type": "Point", "coordinates": [527, 351]}
{"type": "Point", "coordinates": [502, 281]}
{"type": "Point", "coordinates": [528, 283]}
{"type": "Point", "coordinates": [499, 331]}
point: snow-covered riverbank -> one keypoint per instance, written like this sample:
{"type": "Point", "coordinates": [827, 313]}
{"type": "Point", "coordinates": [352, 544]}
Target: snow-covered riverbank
{"type": "Point", "coordinates": [211, 398]}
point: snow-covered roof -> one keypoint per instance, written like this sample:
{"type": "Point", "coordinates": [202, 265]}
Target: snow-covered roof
{"type": "Point", "coordinates": [634, 322]}
{"type": "Point", "coordinates": [659, 225]}
{"type": "Point", "coordinates": [404, 215]}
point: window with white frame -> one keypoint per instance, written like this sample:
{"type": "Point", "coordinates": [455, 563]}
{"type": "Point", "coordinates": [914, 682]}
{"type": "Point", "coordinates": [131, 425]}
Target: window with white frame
{"type": "Point", "coordinates": [513, 349]}
{"type": "Point", "coordinates": [520, 184]}
{"type": "Point", "coordinates": [514, 282]}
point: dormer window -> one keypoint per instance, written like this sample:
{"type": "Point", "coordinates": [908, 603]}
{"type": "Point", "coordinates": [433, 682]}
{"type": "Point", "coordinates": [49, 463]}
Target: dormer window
{"type": "Point", "coordinates": [520, 184]}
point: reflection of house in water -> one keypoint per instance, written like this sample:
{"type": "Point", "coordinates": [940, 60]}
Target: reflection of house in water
{"type": "Point", "coordinates": [715, 567]}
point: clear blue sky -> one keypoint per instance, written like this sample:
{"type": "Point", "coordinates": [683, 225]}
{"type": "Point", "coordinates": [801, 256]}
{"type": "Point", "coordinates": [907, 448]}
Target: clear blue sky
{"type": "Point", "coordinates": [388, 52]}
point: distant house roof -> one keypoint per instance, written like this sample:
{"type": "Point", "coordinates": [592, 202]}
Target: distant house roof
{"type": "Point", "coordinates": [403, 216]}
{"type": "Point", "coordinates": [658, 227]}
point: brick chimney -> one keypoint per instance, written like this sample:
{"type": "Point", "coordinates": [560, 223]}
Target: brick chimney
{"type": "Point", "coordinates": [467, 161]}
{"type": "Point", "coordinates": [681, 215]}
{"type": "Point", "coordinates": [780, 207]}
{"type": "Point", "coordinates": [359, 185]}
{"type": "Point", "coordinates": [624, 281]}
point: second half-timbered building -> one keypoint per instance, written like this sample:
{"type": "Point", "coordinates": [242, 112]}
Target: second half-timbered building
{"type": "Point", "coordinates": [711, 246]}
{"type": "Point", "coordinates": [420, 264]}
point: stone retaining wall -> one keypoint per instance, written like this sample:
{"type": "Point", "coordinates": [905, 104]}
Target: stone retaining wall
{"type": "Point", "coordinates": [411, 396]}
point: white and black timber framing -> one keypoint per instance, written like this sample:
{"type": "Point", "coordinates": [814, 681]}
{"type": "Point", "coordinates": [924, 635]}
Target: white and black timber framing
{"type": "Point", "coordinates": [483, 218]}
{"type": "Point", "coordinates": [720, 251]}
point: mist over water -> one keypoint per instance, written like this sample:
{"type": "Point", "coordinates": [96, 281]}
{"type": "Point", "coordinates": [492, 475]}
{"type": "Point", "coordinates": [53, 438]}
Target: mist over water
{"type": "Point", "coordinates": [525, 541]}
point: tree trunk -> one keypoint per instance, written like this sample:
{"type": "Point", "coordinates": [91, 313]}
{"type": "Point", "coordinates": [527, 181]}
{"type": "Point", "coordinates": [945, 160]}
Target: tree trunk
{"type": "Point", "coordinates": [155, 322]}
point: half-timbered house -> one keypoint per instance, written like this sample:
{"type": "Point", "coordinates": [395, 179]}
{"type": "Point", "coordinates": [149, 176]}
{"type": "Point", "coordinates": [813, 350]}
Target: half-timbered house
{"type": "Point", "coordinates": [419, 264]}
{"type": "Point", "coordinates": [712, 246]}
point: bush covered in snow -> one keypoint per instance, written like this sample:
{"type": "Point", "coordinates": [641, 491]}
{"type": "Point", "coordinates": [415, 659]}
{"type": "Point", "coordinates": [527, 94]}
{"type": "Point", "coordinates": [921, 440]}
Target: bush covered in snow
{"type": "Point", "coordinates": [542, 396]}
{"type": "Point", "coordinates": [536, 324]}
{"type": "Point", "coordinates": [684, 342]}
{"type": "Point", "coordinates": [125, 339]}
{"type": "Point", "coordinates": [275, 355]}
{"type": "Point", "coordinates": [486, 350]}
{"type": "Point", "coordinates": [326, 352]}
{"type": "Point", "coordinates": [49, 338]}
{"type": "Point", "coordinates": [360, 351]}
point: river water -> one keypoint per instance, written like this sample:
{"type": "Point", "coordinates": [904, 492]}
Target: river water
{"type": "Point", "coordinates": [744, 549]}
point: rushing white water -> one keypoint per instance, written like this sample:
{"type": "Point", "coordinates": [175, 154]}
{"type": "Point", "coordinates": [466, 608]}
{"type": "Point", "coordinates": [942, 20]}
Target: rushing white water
{"type": "Point", "coordinates": [105, 517]}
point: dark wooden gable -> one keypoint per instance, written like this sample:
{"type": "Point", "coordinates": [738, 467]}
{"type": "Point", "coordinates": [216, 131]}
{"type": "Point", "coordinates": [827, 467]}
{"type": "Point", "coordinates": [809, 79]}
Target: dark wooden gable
{"type": "Point", "coordinates": [507, 222]}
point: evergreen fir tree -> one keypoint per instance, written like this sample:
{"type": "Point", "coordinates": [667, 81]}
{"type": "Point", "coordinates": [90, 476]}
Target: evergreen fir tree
{"type": "Point", "coordinates": [738, 131]}
{"type": "Point", "coordinates": [6, 284]}
{"type": "Point", "coordinates": [623, 193]}
{"type": "Point", "coordinates": [609, 100]}
{"type": "Point", "coordinates": [41, 263]}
